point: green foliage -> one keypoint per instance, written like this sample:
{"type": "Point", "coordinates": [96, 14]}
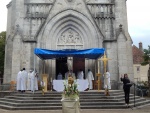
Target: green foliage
{"type": "Point", "coordinates": [142, 83]}
{"type": "Point", "coordinates": [70, 90]}
{"type": "Point", "coordinates": [2, 52]}
{"type": "Point", "coordinates": [146, 56]}
{"type": "Point", "coordinates": [146, 61]}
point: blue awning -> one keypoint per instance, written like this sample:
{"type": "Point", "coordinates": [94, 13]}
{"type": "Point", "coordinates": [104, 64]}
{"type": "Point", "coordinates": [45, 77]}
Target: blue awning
{"type": "Point", "coordinates": [92, 53]}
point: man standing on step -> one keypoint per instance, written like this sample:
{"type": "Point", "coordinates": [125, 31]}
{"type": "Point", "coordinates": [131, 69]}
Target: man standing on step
{"type": "Point", "coordinates": [107, 85]}
{"type": "Point", "coordinates": [18, 88]}
{"type": "Point", "coordinates": [24, 76]}
{"type": "Point", "coordinates": [90, 77]}
{"type": "Point", "coordinates": [80, 75]}
{"type": "Point", "coordinates": [34, 81]}
{"type": "Point", "coordinates": [29, 80]}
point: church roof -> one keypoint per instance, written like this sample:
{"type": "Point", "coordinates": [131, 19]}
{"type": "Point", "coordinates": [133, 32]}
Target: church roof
{"type": "Point", "coordinates": [137, 55]}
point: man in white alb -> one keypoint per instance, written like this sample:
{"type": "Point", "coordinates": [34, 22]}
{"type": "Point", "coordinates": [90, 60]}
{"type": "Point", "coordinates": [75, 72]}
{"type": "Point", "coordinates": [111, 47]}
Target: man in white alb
{"type": "Point", "coordinates": [107, 84]}
{"type": "Point", "coordinates": [80, 75]}
{"type": "Point", "coordinates": [59, 76]}
{"type": "Point", "coordinates": [29, 80]}
{"type": "Point", "coordinates": [24, 76]}
{"type": "Point", "coordinates": [18, 88]}
{"type": "Point", "coordinates": [90, 77]}
{"type": "Point", "coordinates": [34, 81]}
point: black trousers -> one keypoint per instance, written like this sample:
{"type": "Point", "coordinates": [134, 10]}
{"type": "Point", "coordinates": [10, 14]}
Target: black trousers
{"type": "Point", "coordinates": [127, 95]}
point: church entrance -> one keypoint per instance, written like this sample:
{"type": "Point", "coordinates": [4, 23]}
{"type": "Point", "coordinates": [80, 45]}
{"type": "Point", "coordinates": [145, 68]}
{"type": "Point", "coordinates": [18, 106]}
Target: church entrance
{"type": "Point", "coordinates": [61, 66]}
{"type": "Point", "coordinates": [78, 63]}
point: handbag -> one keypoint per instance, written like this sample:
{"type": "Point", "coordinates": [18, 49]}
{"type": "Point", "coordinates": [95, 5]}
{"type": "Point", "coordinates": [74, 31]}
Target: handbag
{"type": "Point", "coordinates": [129, 84]}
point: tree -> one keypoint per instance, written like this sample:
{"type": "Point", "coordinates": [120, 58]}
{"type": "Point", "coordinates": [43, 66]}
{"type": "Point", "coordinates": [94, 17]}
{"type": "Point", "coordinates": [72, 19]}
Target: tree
{"type": "Point", "coordinates": [146, 61]}
{"type": "Point", "coordinates": [2, 52]}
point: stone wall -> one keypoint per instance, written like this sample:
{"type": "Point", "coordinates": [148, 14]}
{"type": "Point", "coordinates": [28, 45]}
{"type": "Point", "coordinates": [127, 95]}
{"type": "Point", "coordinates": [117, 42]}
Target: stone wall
{"type": "Point", "coordinates": [67, 24]}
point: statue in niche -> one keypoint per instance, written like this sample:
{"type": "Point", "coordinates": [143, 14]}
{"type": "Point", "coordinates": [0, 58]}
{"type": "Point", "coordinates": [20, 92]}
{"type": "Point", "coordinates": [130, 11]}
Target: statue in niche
{"type": "Point", "coordinates": [70, 37]}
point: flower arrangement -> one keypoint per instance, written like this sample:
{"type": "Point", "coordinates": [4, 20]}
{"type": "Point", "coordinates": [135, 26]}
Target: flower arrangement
{"type": "Point", "coordinates": [70, 89]}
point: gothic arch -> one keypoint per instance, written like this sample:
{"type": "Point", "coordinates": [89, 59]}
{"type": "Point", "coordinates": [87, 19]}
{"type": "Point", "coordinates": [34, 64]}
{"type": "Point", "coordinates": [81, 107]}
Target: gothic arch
{"type": "Point", "coordinates": [70, 19]}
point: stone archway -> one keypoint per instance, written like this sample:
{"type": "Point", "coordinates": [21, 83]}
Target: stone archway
{"type": "Point", "coordinates": [69, 24]}
{"type": "Point", "coordinates": [70, 19]}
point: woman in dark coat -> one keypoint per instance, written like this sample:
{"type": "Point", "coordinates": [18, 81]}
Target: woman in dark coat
{"type": "Point", "coordinates": [126, 87]}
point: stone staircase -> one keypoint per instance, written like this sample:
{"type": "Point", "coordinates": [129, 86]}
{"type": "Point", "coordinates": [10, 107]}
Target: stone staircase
{"type": "Point", "coordinates": [52, 101]}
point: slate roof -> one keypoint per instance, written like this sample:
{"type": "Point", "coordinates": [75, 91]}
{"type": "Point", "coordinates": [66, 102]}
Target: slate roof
{"type": "Point", "coordinates": [137, 55]}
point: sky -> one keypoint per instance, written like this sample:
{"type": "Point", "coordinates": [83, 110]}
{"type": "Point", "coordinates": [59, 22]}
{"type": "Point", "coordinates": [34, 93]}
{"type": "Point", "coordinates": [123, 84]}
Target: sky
{"type": "Point", "coordinates": [138, 12]}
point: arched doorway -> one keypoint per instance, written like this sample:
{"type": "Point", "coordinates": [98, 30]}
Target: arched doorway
{"type": "Point", "coordinates": [61, 66]}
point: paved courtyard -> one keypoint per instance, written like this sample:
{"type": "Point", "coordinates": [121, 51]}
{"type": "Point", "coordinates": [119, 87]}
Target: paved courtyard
{"type": "Point", "coordinates": [145, 109]}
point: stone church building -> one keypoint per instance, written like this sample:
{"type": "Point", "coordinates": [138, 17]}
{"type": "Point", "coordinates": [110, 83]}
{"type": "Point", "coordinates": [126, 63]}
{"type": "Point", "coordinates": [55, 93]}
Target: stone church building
{"type": "Point", "coordinates": [67, 24]}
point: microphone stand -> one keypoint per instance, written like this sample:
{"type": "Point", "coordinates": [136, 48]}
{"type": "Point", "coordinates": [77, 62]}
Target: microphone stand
{"type": "Point", "coordinates": [134, 94]}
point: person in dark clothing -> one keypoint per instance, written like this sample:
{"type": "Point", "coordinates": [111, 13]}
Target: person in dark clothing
{"type": "Point", "coordinates": [126, 87]}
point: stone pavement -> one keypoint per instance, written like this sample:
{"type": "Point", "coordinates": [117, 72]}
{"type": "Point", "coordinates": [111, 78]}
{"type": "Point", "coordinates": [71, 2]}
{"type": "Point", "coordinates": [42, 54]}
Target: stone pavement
{"type": "Point", "coordinates": [145, 109]}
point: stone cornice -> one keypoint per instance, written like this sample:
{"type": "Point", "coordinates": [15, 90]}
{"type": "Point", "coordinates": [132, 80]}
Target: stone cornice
{"type": "Point", "coordinates": [29, 40]}
{"type": "Point", "coordinates": [38, 3]}
{"type": "Point", "coordinates": [109, 40]}
{"type": "Point", "coordinates": [9, 4]}
{"type": "Point", "coordinates": [100, 3]}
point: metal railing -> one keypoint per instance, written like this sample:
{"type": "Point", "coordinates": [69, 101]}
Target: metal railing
{"type": "Point", "coordinates": [5, 87]}
{"type": "Point", "coordinates": [139, 89]}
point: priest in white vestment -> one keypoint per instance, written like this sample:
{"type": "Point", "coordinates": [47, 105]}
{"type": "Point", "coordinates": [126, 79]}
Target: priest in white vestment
{"type": "Point", "coordinates": [34, 81]}
{"type": "Point", "coordinates": [29, 80]}
{"type": "Point", "coordinates": [59, 76]}
{"type": "Point", "coordinates": [90, 77]}
{"type": "Point", "coordinates": [18, 87]}
{"type": "Point", "coordinates": [107, 84]}
{"type": "Point", "coordinates": [80, 75]}
{"type": "Point", "coordinates": [24, 76]}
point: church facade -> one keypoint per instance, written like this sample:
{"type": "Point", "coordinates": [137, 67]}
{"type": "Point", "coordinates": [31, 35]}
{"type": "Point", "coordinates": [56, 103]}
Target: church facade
{"type": "Point", "coordinates": [67, 24]}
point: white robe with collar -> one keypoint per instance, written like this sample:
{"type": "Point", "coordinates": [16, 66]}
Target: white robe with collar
{"type": "Point", "coordinates": [80, 75]}
{"type": "Point", "coordinates": [29, 81]}
{"type": "Point", "coordinates": [34, 81]}
{"type": "Point", "coordinates": [19, 81]}
{"type": "Point", "coordinates": [90, 77]}
{"type": "Point", "coordinates": [24, 76]}
{"type": "Point", "coordinates": [107, 84]}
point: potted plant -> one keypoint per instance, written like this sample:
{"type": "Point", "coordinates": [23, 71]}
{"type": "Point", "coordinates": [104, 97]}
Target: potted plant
{"type": "Point", "coordinates": [70, 97]}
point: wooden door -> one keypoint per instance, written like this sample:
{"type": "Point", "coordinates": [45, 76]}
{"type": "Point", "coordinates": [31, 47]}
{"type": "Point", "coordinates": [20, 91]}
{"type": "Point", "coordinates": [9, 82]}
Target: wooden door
{"type": "Point", "coordinates": [78, 63]}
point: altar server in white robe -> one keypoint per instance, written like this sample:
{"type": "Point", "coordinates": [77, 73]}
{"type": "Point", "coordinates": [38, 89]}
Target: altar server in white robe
{"type": "Point", "coordinates": [59, 76]}
{"type": "Point", "coordinates": [29, 80]}
{"type": "Point", "coordinates": [90, 77]}
{"type": "Point", "coordinates": [18, 88]}
{"type": "Point", "coordinates": [80, 75]}
{"type": "Point", "coordinates": [34, 81]}
{"type": "Point", "coordinates": [107, 84]}
{"type": "Point", "coordinates": [24, 76]}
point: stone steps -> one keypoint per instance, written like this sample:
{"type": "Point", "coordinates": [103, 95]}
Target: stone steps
{"type": "Point", "coordinates": [59, 97]}
{"type": "Point", "coordinates": [58, 103]}
{"type": "Point", "coordinates": [52, 101]}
